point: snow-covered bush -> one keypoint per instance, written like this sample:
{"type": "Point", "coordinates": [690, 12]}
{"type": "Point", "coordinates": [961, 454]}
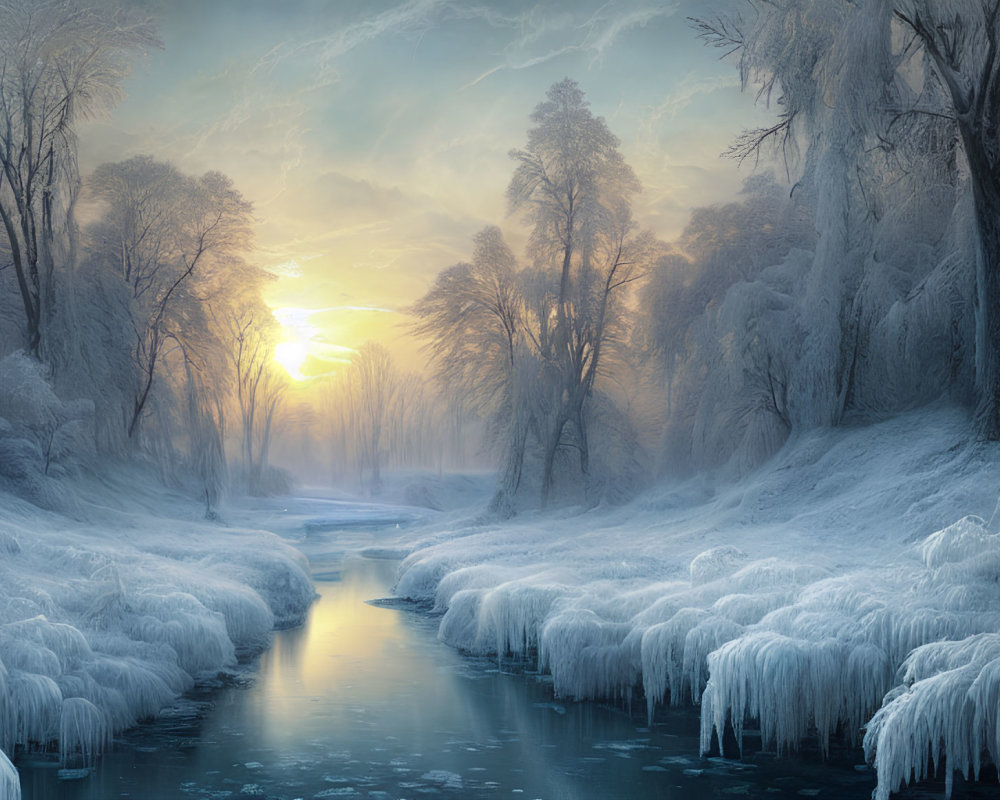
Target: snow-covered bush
{"type": "Point", "coordinates": [102, 627]}
{"type": "Point", "coordinates": [715, 563]}
{"type": "Point", "coordinates": [693, 597]}
{"type": "Point", "coordinates": [41, 436]}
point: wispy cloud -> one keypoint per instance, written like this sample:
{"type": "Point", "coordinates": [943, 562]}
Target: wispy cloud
{"type": "Point", "coordinates": [607, 25]}
{"type": "Point", "coordinates": [594, 34]}
{"type": "Point", "coordinates": [688, 88]}
{"type": "Point", "coordinates": [525, 64]}
{"type": "Point", "coordinates": [409, 18]}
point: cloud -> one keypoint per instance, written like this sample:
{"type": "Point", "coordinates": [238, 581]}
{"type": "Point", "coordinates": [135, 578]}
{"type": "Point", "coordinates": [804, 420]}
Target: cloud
{"type": "Point", "coordinates": [410, 18]}
{"type": "Point", "coordinates": [373, 136]}
{"type": "Point", "coordinates": [686, 90]}
{"type": "Point", "coordinates": [606, 27]}
{"type": "Point", "coordinates": [290, 269]}
{"type": "Point", "coordinates": [595, 34]}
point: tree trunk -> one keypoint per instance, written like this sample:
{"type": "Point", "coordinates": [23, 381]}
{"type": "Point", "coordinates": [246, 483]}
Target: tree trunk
{"type": "Point", "coordinates": [140, 400]}
{"type": "Point", "coordinates": [988, 317]}
{"type": "Point", "coordinates": [28, 298]}
{"type": "Point", "coordinates": [551, 446]}
{"type": "Point", "coordinates": [984, 175]}
{"type": "Point", "coordinates": [582, 441]}
{"type": "Point", "coordinates": [502, 502]}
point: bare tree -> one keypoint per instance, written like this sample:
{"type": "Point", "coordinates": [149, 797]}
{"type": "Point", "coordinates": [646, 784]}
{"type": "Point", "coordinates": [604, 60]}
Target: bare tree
{"type": "Point", "coordinates": [373, 379]}
{"type": "Point", "coordinates": [160, 227]}
{"type": "Point", "coordinates": [59, 63]}
{"type": "Point", "coordinates": [474, 318]}
{"type": "Point", "coordinates": [271, 393]}
{"type": "Point", "coordinates": [575, 190]}
{"type": "Point", "coordinates": [249, 327]}
{"type": "Point", "coordinates": [206, 425]}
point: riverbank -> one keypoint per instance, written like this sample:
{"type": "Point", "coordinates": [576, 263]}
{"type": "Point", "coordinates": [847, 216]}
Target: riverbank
{"type": "Point", "coordinates": [112, 609]}
{"type": "Point", "coordinates": [841, 587]}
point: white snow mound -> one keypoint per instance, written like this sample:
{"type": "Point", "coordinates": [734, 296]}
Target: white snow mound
{"type": "Point", "coordinates": [832, 590]}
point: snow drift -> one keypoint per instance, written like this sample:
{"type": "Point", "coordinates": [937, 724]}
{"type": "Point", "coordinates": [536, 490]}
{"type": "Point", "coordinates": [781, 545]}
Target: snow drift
{"type": "Point", "coordinates": [105, 622]}
{"type": "Point", "coordinates": [830, 594]}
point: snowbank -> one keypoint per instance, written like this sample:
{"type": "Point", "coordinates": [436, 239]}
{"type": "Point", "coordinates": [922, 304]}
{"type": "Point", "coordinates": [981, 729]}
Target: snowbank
{"type": "Point", "coordinates": [831, 592]}
{"type": "Point", "coordinates": [106, 619]}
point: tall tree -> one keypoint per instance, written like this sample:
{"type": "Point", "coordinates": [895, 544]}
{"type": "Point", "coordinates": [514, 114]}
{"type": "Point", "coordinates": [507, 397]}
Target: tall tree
{"type": "Point", "coordinates": [259, 385]}
{"type": "Point", "coordinates": [374, 383]}
{"type": "Point", "coordinates": [160, 229]}
{"type": "Point", "coordinates": [575, 190]}
{"type": "Point", "coordinates": [913, 78]}
{"type": "Point", "coordinates": [960, 39]}
{"type": "Point", "coordinates": [474, 320]}
{"type": "Point", "coordinates": [59, 63]}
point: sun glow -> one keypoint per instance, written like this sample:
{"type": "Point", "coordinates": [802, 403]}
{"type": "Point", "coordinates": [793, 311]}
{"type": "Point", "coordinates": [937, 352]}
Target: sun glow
{"type": "Point", "coordinates": [292, 355]}
{"type": "Point", "coordinates": [320, 341]}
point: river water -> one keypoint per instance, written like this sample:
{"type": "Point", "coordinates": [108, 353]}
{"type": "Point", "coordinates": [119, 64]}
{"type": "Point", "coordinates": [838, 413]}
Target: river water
{"type": "Point", "coordinates": [364, 702]}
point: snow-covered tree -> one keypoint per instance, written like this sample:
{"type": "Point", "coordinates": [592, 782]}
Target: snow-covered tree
{"type": "Point", "coordinates": [720, 315]}
{"type": "Point", "coordinates": [474, 320]}
{"type": "Point", "coordinates": [960, 39]}
{"type": "Point", "coordinates": [895, 105]}
{"type": "Point", "coordinates": [60, 62]}
{"type": "Point", "coordinates": [575, 189]}
{"type": "Point", "coordinates": [161, 230]}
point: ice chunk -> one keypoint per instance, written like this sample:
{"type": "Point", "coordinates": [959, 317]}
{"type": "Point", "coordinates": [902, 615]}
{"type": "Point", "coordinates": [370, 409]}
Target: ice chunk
{"type": "Point", "coordinates": [443, 778]}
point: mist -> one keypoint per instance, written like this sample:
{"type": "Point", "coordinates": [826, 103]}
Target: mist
{"type": "Point", "coordinates": [656, 345]}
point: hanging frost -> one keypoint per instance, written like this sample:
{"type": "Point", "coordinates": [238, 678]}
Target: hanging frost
{"type": "Point", "coordinates": [83, 730]}
{"type": "Point", "coordinates": [10, 782]}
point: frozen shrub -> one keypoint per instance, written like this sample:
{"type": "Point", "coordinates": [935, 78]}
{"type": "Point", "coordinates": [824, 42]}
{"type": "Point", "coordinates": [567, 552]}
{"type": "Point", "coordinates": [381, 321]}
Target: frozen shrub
{"type": "Point", "coordinates": [61, 430]}
{"type": "Point", "coordinates": [965, 539]}
{"type": "Point", "coordinates": [83, 729]}
{"type": "Point", "coordinates": [716, 563]}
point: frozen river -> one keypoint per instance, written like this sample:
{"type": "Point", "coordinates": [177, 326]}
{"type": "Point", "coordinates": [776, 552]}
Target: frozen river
{"type": "Point", "coordinates": [364, 701]}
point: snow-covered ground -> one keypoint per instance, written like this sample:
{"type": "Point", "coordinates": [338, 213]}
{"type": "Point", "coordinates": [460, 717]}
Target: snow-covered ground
{"type": "Point", "coordinates": [843, 586]}
{"type": "Point", "coordinates": [106, 616]}
{"type": "Point", "coordinates": [856, 574]}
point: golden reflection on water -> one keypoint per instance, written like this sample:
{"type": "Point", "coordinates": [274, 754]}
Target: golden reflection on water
{"type": "Point", "coordinates": [351, 654]}
{"type": "Point", "coordinates": [343, 633]}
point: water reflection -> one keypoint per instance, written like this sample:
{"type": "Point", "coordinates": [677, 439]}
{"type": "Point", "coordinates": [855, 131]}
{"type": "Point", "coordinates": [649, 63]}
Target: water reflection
{"type": "Point", "coordinates": [365, 702]}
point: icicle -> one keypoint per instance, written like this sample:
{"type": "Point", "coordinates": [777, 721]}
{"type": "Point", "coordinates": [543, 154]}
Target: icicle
{"type": "Point", "coordinates": [36, 703]}
{"type": "Point", "coordinates": [83, 729]}
{"type": "Point", "coordinates": [10, 782]}
{"type": "Point", "coordinates": [585, 655]}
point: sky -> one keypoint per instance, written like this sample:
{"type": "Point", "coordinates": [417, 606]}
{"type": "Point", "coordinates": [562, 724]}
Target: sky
{"type": "Point", "coordinates": [373, 137]}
